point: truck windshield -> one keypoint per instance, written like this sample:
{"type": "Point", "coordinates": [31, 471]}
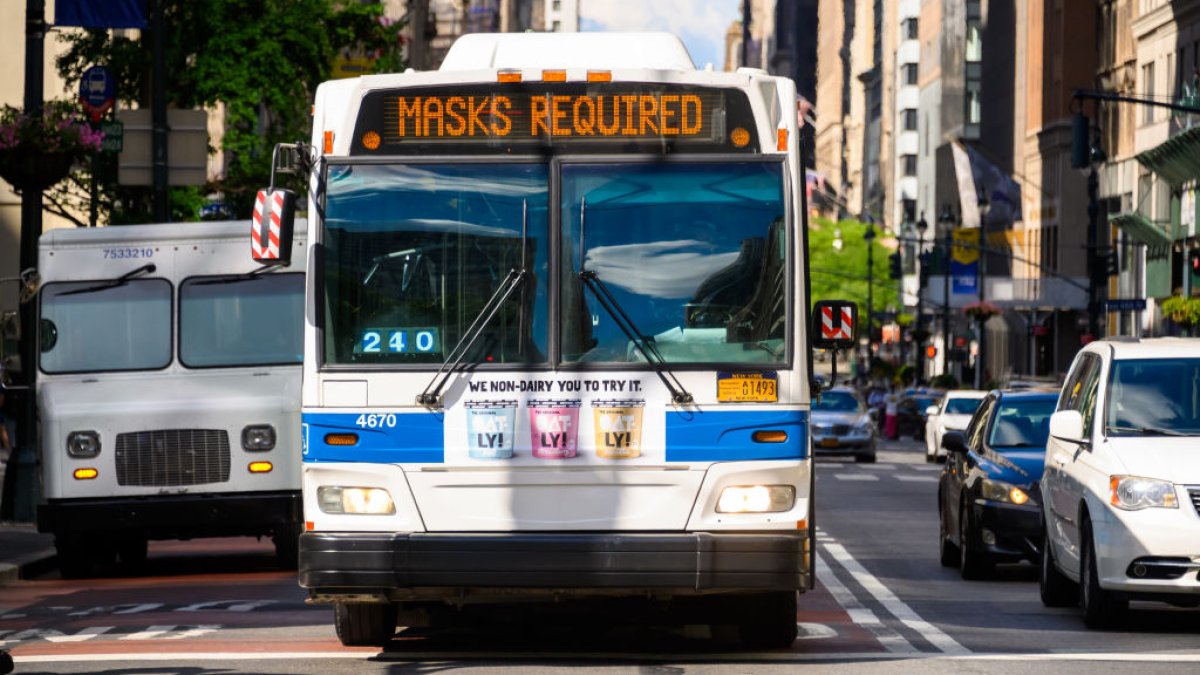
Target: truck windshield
{"type": "Point", "coordinates": [89, 328]}
{"type": "Point", "coordinates": [241, 321]}
{"type": "Point", "coordinates": [694, 253]}
{"type": "Point", "coordinates": [413, 252]}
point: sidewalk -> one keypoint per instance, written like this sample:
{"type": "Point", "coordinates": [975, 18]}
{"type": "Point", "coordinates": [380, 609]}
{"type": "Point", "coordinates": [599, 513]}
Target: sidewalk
{"type": "Point", "coordinates": [24, 551]}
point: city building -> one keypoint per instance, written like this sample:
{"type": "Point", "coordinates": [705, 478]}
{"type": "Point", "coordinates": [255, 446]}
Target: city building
{"type": "Point", "coordinates": [561, 16]}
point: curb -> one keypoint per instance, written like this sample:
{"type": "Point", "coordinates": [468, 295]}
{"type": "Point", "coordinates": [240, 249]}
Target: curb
{"type": "Point", "coordinates": [25, 567]}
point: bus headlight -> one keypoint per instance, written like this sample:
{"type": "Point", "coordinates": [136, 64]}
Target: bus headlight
{"type": "Point", "coordinates": [258, 437]}
{"type": "Point", "coordinates": [83, 444]}
{"type": "Point", "coordinates": [355, 500]}
{"type": "Point", "coordinates": [756, 499]}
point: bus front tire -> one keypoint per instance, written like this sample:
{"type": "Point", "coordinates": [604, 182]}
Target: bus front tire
{"type": "Point", "coordinates": [361, 624]}
{"type": "Point", "coordinates": [768, 621]}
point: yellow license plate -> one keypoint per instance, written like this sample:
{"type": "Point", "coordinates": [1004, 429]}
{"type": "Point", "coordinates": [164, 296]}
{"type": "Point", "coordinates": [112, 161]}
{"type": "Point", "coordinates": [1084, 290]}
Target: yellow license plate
{"type": "Point", "coordinates": [747, 387]}
{"type": "Point", "coordinates": [829, 443]}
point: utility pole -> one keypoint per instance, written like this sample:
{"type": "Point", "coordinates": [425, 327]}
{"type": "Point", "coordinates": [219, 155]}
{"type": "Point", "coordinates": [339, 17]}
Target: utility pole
{"type": "Point", "coordinates": [418, 47]}
{"type": "Point", "coordinates": [158, 114]}
{"type": "Point", "coordinates": [869, 236]}
{"type": "Point", "coordinates": [981, 283]}
{"type": "Point", "coordinates": [746, 16]}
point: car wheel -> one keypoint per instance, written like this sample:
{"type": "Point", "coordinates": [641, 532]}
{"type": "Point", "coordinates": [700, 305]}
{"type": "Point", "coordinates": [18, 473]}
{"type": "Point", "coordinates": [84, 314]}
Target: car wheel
{"type": "Point", "coordinates": [865, 458]}
{"type": "Point", "coordinates": [1101, 609]}
{"type": "Point", "coordinates": [947, 551]}
{"type": "Point", "coordinates": [1055, 588]}
{"type": "Point", "coordinates": [973, 564]}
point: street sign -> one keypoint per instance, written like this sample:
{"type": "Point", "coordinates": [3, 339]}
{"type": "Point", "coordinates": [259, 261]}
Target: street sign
{"type": "Point", "coordinates": [1125, 304]}
{"type": "Point", "coordinates": [97, 91]}
{"type": "Point", "coordinates": [114, 136]}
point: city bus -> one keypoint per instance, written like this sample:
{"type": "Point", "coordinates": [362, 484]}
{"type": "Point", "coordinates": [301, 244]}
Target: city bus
{"type": "Point", "coordinates": [555, 339]}
{"type": "Point", "coordinates": [168, 390]}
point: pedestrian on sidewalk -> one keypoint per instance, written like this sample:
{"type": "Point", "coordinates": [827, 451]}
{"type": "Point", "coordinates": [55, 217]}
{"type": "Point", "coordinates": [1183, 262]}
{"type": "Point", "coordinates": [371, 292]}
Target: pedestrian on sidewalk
{"type": "Point", "coordinates": [889, 413]}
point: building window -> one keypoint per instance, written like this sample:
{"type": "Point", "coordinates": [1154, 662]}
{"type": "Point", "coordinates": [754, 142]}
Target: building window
{"type": "Point", "coordinates": [1148, 91]}
{"type": "Point", "coordinates": [910, 120]}
{"type": "Point", "coordinates": [556, 26]}
{"type": "Point", "coordinates": [974, 42]}
{"type": "Point", "coordinates": [909, 71]}
{"type": "Point", "coordinates": [910, 165]}
{"type": "Point", "coordinates": [909, 28]}
{"type": "Point", "coordinates": [556, 5]}
{"type": "Point", "coordinates": [974, 106]}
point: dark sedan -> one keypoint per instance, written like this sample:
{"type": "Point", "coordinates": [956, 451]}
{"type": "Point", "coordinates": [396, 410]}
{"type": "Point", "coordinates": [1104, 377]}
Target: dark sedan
{"type": "Point", "coordinates": [988, 496]}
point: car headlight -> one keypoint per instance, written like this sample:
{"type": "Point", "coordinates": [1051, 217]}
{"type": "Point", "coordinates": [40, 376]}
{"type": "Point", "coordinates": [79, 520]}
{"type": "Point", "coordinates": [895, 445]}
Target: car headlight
{"type": "Point", "coordinates": [83, 444]}
{"type": "Point", "coordinates": [258, 437]}
{"type": "Point", "coordinates": [999, 491]}
{"type": "Point", "coordinates": [355, 500]}
{"type": "Point", "coordinates": [756, 499]}
{"type": "Point", "coordinates": [1132, 493]}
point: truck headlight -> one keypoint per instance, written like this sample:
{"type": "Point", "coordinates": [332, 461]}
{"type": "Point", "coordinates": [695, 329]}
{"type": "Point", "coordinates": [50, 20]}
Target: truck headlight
{"type": "Point", "coordinates": [355, 500]}
{"type": "Point", "coordinates": [83, 444]}
{"type": "Point", "coordinates": [999, 491]}
{"type": "Point", "coordinates": [1131, 493]}
{"type": "Point", "coordinates": [756, 499]}
{"type": "Point", "coordinates": [258, 437]}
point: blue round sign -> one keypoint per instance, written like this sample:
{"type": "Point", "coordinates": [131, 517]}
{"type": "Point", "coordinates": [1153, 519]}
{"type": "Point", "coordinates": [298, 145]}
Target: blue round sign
{"type": "Point", "coordinates": [97, 91]}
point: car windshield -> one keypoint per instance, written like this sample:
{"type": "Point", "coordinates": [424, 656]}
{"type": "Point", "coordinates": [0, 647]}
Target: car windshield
{"type": "Point", "coordinates": [694, 253]}
{"type": "Point", "coordinates": [1022, 423]}
{"type": "Point", "coordinates": [89, 327]}
{"type": "Point", "coordinates": [413, 252]}
{"type": "Point", "coordinates": [1154, 397]}
{"type": "Point", "coordinates": [962, 406]}
{"type": "Point", "coordinates": [241, 321]}
{"type": "Point", "coordinates": [838, 401]}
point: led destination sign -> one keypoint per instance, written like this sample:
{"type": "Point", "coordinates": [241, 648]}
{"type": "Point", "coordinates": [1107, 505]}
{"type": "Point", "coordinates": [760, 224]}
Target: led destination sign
{"type": "Point", "coordinates": [570, 114]}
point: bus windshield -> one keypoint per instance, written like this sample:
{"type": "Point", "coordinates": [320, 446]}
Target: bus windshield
{"type": "Point", "coordinates": [241, 321]}
{"type": "Point", "coordinates": [694, 253]}
{"type": "Point", "coordinates": [413, 252]}
{"type": "Point", "coordinates": [89, 328]}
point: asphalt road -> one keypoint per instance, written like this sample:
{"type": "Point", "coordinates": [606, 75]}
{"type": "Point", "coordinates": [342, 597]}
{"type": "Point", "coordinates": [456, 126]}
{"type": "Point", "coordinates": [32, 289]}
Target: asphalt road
{"type": "Point", "coordinates": [883, 605]}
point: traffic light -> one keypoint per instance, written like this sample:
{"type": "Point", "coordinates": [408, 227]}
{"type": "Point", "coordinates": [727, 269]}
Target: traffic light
{"type": "Point", "coordinates": [1194, 260]}
{"type": "Point", "coordinates": [930, 352]}
{"type": "Point", "coordinates": [894, 269]}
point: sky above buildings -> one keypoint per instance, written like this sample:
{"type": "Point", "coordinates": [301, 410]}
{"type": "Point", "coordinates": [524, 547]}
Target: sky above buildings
{"type": "Point", "coordinates": [701, 24]}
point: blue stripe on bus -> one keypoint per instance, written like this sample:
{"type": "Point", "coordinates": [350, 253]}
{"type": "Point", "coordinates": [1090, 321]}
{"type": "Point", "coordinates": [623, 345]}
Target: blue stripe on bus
{"type": "Point", "coordinates": [416, 437]}
{"type": "Point", "coordinates": [724, 435]}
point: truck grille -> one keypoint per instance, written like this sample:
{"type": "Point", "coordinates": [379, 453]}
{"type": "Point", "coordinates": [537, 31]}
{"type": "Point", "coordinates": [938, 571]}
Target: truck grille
{"type": "Point", "coordinates": [173, 457]}
{"type": "Point", "coordinates": [1194, 494]}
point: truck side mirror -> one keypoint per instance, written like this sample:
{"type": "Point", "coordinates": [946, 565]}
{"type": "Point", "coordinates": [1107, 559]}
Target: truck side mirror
{"type": "Point", "coordinates": [271, 229]}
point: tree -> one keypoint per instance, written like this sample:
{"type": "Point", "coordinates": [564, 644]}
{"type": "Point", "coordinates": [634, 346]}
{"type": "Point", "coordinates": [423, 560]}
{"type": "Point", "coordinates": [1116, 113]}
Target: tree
{"type": "Point", "coordinates": [261, 59]}
{"type": "Point", "coordinates": [841, 273]}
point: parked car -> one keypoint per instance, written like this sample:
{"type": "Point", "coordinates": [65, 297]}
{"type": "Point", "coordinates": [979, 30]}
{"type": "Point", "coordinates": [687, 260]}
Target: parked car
{"type": "Point", "coordinates": [952, 413]}
{"type": "Point", "coordinates": [988, 494]}
{"type": "Point", "coordinates": [1122, 480]}
{"type": "Point", "coordinates": [842, 425]}
{"type": "Point", "coordinates": [910, 414]}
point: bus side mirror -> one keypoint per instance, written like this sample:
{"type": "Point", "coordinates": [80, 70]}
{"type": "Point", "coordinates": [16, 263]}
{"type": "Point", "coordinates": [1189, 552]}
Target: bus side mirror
{"type": "Point", "coordinates": [271, 229]}
{"type": "Point", "coordinates": [834, 324]}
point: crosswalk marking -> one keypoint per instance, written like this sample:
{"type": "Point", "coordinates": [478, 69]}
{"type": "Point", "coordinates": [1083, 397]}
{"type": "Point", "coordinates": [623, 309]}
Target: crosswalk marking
{"type": "Point", "coordinates": [856, 476]}
{"type": "Point", "coordinates": [917, 479]}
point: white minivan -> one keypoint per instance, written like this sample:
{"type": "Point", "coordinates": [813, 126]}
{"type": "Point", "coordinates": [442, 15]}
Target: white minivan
{"type": "Point", "coordinates": [1121, 489]}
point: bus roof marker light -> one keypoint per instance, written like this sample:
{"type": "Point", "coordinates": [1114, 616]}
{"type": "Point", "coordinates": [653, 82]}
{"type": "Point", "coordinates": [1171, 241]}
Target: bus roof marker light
{"type": "Point", "coordinates": [508, 76]}
{"type": "Point", "coordinates": [554, 76]}
{"type": "Point", "coordinates": [599, 76]}
{"type": "Point", "coordinates": [86, 474]}
{"type": "Point", "coordinates": [341, 439]}
{"type": "Point", "coordinates": [260, 467]}
{"type": "Point", "coordinates": [371, 140]}
{"type": "Point", "coordinates": [739, 137]}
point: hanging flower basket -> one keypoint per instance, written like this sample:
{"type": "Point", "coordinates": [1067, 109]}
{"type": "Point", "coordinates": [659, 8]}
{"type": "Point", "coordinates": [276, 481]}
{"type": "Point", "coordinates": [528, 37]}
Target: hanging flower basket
{"type": "Point", "coordinates": [982, 310]}
{"type": "Point", "coordinates": [37, 151]}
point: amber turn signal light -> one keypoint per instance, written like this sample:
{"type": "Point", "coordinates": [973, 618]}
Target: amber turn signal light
{"type": "Point", "coordinates": [769, 436]}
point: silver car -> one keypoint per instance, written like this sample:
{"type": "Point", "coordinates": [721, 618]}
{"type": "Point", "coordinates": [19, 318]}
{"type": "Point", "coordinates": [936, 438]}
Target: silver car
{"type": "Point", "coordinates": [841, 425]}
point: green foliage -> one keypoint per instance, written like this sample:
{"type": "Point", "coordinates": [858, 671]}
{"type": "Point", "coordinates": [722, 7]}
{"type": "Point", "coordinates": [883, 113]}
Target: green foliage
{"type": "Point", "coordinates": [842, 274]}
{"type": "Point", "coordinates": [262, 59]}
{"type": "Point", "coordinates": [944, 381]}
{"type": "Point", "coordinates": [1184, 311]}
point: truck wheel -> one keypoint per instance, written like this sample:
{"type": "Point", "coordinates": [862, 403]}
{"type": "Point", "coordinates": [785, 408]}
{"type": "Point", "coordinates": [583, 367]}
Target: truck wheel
{"type": "Point", "coordinates": [361, 624]}
{"type": "Point", "coordinates": [74, 558]}
{"type": "Point", "coordinates": [287, 546]}
{"type": "Point", "coordinates": [132, 551]}
{"type": "Point", "coordinates": [768, 621]}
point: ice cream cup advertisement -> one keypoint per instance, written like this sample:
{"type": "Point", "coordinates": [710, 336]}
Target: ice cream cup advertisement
{"type": "Point", "coordinates": [491, 428]}
{"type": "Point", "coordinates": [554, 428]}
{"type": "Point", "coordinates": [618, 428]}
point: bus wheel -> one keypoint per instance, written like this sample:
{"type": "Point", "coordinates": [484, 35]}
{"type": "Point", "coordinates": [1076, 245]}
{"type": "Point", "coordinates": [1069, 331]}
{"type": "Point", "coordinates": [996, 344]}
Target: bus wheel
{"type": "Point", "coordinates": [74, 558]}
{"type": "Point", "coordinates": [361, 624]}
{"type": "Point", "coordinates": [287, 546]}
{"type": "Point", "coordinates": [768, 621]}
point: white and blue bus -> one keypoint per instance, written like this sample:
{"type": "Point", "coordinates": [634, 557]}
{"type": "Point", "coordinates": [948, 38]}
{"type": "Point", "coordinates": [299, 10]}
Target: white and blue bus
{"type": "Point", "coordinates": [556, 339]}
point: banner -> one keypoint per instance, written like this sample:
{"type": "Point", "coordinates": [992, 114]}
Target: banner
{"type": "Point", "coordinates": [964, 261]}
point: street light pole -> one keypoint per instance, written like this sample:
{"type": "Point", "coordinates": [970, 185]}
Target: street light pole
{"type": "Point", "coordinates": [869, 236]}
{"type": "Point", "coordinates": [921, 276]}
{"type": "Point", "coordinates": [981, 283]}
{"type": "Point", "coordinates": [947, 220]}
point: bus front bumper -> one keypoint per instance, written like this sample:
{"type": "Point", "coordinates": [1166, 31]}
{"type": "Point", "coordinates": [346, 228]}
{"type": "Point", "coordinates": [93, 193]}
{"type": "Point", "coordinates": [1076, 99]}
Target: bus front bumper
{"type": "Point", "coordinates": [414, 565]}
{"type": "Point", "coordinates": [175, 516]}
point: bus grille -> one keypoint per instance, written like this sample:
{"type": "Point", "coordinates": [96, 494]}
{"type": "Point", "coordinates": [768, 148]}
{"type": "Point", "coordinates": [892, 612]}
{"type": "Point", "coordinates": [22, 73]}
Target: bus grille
{"type": "Point", "coordinates": [171, 457]}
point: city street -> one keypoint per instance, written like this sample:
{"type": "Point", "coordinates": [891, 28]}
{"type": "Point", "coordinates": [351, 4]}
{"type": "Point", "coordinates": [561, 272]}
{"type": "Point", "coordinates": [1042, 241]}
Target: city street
{"type": "Point", "coordinates": [882, 603]}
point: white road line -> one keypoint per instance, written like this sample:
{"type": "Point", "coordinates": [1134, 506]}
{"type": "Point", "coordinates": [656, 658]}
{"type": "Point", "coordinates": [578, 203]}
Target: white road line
{"type": "Point", "coordinates": [879, 467]}
{"type": "Point", "coordinates": [890, 639]}
{"type": "Point", "coordinates": [926, 467]}
{"type": "Point", "coordinates": [856, 476]}
{"type": "Point", "coordinates": [893, 604]}
{"type": "Point", "coordinates": [917, 479]}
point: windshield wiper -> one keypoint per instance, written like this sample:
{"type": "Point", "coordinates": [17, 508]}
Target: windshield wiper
{"type": "Point", "coordinates": [245, 276]}
{"type": "Point", "coordinates": [148, 268]}
{"type": "Point", "coordinates": [679, 395]}
{"type": "Point", "coordinates": [1146, 430]}
{"type": "Point", "coordinates": [431, 396]}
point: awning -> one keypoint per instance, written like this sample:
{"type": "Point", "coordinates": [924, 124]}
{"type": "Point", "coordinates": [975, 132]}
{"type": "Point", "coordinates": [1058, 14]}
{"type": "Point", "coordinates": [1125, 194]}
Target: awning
{"type": "Point", "coordinates": [1141, 229]}
{"type": "Point", "coordinates": [1176, 159]}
